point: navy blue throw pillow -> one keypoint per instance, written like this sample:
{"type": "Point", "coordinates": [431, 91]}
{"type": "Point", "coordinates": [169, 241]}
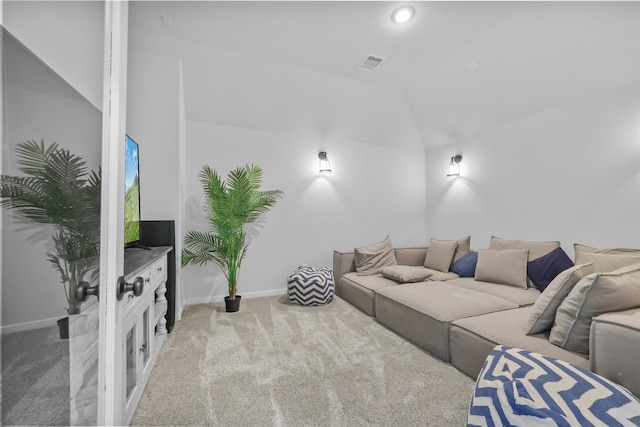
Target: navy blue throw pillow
{"type": "Point", "coordinates": [543, 270]}
{"type": "Point", "coordinates": [466, 266]}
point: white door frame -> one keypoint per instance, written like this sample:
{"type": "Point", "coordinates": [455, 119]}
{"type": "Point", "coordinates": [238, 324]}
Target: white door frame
{"type": "Point", "coordinates": [114, 113]}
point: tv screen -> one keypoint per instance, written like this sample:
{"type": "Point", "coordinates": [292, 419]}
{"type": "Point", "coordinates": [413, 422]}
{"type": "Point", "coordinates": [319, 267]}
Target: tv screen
{"type": "Point", "coordinates": [132, 193]}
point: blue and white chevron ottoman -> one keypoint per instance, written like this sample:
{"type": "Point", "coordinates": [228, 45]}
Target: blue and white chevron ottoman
{"type": "Point", "coordinates": [311, 286]}
{"type": "Point", "coordinates": [522, 388]}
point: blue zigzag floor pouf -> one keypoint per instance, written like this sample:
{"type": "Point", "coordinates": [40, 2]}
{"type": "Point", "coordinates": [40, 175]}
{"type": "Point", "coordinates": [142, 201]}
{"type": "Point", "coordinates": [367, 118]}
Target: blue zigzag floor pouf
{"type": "Point", "coordinates": [311, 286]}
{"type": "Point", "coordinates": [521, 388]}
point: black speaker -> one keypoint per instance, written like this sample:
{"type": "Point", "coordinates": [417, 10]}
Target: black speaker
{"type": "Point", "coordinates": [163, 233]}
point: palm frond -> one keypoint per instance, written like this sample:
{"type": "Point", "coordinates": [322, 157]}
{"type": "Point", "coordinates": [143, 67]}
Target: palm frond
{"type": "Point", "coordinates": [201, 242]}
{"type": "Point", "coordinates": [33, 156]}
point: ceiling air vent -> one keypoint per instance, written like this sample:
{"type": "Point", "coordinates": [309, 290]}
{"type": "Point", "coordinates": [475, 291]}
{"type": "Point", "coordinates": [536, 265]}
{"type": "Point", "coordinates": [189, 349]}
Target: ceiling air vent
{"type": "Point", "coordinates": [371, 62]}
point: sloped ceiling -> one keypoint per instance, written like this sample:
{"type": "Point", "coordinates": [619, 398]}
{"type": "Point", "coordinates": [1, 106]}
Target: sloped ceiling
{"type": "Point", "coordinates": [292, 65]}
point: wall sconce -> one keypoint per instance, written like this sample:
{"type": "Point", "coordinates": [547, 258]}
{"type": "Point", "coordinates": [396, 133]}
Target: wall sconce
{"type": "Point", "coordinates": [454, 165]}
{"type": "Point", "coordinates": [325, 165]}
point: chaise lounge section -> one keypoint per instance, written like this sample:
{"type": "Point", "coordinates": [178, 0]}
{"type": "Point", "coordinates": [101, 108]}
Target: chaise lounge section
{"type": "Point", "coordinates": [461, 319]}
{"type": "Point", "coordinates": [423, 312]}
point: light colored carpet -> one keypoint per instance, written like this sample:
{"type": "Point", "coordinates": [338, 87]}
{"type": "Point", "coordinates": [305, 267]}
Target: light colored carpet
{"type": "Point", "coordinates": [35, 378]}
{"type": "Point", "coordinates": [274, 363]}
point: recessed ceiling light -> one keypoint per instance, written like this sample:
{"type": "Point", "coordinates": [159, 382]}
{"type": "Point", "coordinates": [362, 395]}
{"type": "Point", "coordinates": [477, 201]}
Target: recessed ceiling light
{"type": "Point", "coordinates": [403, 14]}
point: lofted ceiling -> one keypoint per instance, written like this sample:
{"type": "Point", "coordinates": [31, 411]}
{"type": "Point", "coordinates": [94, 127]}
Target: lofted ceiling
{"type": "Point", "coordinates": [456, 69]}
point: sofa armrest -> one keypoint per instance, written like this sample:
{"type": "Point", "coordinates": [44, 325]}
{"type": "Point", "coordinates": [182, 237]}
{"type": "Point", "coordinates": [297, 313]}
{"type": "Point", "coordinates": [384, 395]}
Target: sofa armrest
{"type": "Point", "coordinates": [343, 263]}
{"type": "Point", "coordinates": [614, 346]}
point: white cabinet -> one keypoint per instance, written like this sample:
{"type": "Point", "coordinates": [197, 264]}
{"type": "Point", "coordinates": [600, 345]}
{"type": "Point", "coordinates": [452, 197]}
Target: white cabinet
{"type": "Point", "coordinates": [143, 321]}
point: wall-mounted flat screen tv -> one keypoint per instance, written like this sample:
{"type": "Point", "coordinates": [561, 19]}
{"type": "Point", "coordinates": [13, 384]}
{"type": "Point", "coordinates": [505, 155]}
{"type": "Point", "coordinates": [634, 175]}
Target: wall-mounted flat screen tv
{"type": "Point", "coordinates": [132, 193]}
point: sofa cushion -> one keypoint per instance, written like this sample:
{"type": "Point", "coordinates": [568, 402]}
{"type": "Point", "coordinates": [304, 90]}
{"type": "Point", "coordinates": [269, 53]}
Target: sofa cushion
{"type": "Point", "coordinates": [406, 273]}
{"type": "Point", "coordinates": [444, 301]}
{"type": "Point", "coordinates": [464, 246]}
{"type": "Point", "coordinates": [466, 265]}
{"type": "Point", "coordinates": [507, 267]}
{"type": "Point", "coordinates": [605, 259]}
{"type": "Point", "coordinates": [595, 294]}
{"type": "Point", "coordinates": [410, 256]}
{"type": "Point", "coordinates": [360, 290]}
{"type": "Point", "coordinates": [422, 312]}
{"type": "Point", "coordinates": [544, 309]}
{"type": "Point", "coordinates": [518, 296]}
{"type": "Point", "coordinates": [472, 338]}
{"type": "Point", "coordinates": [604, 263]}
{"type": "Point", "coordinates": [610, 251]}
{"type": "Point", "coordinates": [536, 249]}
{"type": "Point", "coordinates": [440, 276]}
{"type": "Point", "coordinates": [440, 254]}
{"type": "Point", "coordinates": [543, 270]}
{"type": "Point", "coordinates": [372, 282]}
{"type": "Point", "coordinates": [372, 258]}
{"type": "Point", "coordinates": [614, 337]}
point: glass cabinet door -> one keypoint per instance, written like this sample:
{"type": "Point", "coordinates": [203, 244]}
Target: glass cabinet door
{"type": "Point", "coordinates": [131, 358]}
{"type": "Point", "coordinates": [145, 349]}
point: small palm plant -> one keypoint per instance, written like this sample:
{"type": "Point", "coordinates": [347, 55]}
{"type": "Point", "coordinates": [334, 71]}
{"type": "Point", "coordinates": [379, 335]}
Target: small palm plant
{"type": "Point", "coordinates": [231, 204]}
{"type": "Point", "coordinates": [57, 190]}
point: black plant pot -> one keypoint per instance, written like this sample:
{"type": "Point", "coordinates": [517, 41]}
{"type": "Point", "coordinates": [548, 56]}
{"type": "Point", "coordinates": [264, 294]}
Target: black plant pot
{"type": "Point", "coordinates": [63, 328]}
{"type": "Point", "coordinates": [232, 305]}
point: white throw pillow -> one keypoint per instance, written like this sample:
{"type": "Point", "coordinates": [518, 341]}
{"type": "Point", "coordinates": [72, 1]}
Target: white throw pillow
{"type": "Point", "coordinates": [592, 296]}
{"type": "Point", "coordinates": [544, 309]}
{"type": "Point", "coordinates": [607, 259]}
{"type": "Point", "coordinates": [406, 273]}
{"type": "Point", "coordinates": [372, 258]}
{"type": "Point", "coordinates": [440, 254]}
{"type": "Point", "coordinates": [506, 267]}
{"type": "Point", "coordinates": [536, 249]}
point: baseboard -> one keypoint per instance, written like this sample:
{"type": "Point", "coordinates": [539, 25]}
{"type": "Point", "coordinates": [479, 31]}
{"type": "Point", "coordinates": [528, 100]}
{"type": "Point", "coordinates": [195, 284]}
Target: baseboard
{"type": "Point", "coordinates": [245, 295]}
{"type": "Point", "coordinates": [19, 327]}
{"type": "Point", "coordinates": [27, 326]}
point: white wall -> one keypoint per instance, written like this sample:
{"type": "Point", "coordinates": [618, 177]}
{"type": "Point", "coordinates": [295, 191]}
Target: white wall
{"type": "Point", "coordinates": [374, 190]}
{"type": "Point", "coordinates": [569, 173]}
{"type": "Point", "coordinates": [67, 35]}
{"type": "Point", "coordinates": [152, 121]}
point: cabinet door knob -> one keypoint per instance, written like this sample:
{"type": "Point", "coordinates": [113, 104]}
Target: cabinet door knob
{"type": "Point", "coordinates": [142, 348]}
{"type": "Point", "coordinates": [123, 287]}
{"type": "Point", "coordinates": [84, 290]}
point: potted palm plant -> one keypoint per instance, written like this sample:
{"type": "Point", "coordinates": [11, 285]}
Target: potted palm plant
{"type": "Point", "coordinates": [230, 205]}
{"type": "Point", "coordinates": [58, 190]}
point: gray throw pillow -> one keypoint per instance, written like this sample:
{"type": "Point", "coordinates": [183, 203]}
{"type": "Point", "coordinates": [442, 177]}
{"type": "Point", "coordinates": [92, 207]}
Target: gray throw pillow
{"type": "Point", "coordinates": [440, 254]}
{"type": "Point", "coordinates": [592, 296]}
{"type": "Point", "coordinates": [372, 258]}
{"type": "Point", "coordinates": [505, 267]}
{"type": "Point", "coordinates": [406, 273]}
{"type": "Point", "coordinates": [545, 307]}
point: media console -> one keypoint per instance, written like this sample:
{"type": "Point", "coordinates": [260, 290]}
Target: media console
{"type": "Point", "coordinates": [162, 233]}
{"type": "Point", "coordinates": [143, 320]}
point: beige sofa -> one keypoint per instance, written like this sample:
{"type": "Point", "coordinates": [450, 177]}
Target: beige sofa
{"type": "Point", "coordinates": [460, 320]}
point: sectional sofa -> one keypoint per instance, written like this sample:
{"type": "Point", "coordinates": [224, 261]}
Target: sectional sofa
{"type": "Point", "coordinates": [458, 303]}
